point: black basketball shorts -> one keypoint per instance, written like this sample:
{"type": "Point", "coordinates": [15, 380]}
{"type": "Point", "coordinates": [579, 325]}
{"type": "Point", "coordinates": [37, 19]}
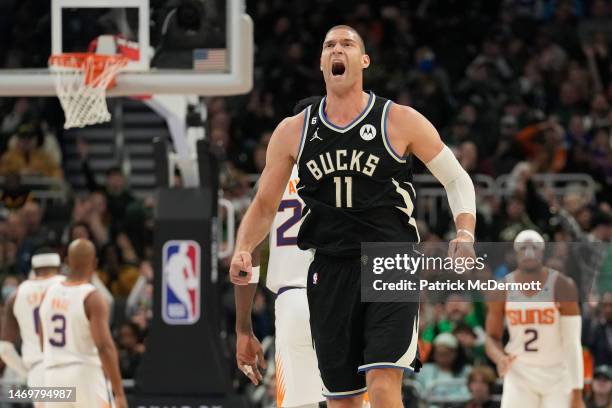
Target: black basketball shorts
{"type": "Point", "coordinates": [351, 336]}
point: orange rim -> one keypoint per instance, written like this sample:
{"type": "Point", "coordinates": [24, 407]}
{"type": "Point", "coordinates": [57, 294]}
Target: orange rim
{"type": "Point", "coordinates": [95, 64]}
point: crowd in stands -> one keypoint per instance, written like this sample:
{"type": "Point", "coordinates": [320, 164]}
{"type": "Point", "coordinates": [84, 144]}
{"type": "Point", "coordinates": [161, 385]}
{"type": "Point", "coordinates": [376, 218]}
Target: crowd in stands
{"type": "Point", "coordinates": [514, 87]}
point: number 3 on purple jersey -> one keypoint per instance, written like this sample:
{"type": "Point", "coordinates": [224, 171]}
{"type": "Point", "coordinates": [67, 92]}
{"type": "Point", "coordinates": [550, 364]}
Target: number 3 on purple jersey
{"type": "Point", "coordinates": [60, 330]}
{"type": "Point", "coordinates": [281, 238]}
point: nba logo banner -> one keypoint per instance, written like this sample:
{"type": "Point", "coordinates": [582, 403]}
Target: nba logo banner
{"type": "Point", "coordinates": [181, 282]}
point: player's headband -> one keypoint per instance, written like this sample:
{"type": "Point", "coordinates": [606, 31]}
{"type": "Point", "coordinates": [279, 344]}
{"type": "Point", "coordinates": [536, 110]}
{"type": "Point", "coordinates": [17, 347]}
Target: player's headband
{"type": "Point", "coordinates": [528, 236]}
{"type": "Point", "coordinates": [49, 260]}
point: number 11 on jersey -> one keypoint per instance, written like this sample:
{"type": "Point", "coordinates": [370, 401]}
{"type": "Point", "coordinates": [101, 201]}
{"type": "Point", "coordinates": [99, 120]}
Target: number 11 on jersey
{"type": "Point", "coordinates": [348, 181]}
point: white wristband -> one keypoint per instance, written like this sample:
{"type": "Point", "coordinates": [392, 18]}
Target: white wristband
{"type": "Point", "coordinates": [254, 275]}
{"type": "Point", "coordinates": [466, 232]}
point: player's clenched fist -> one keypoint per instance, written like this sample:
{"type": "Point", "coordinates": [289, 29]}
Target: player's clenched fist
{"type": "Point", "coordinates": [241, 268]}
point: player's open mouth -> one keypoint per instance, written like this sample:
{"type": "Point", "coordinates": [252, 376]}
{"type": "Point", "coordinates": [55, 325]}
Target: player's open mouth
{"type": "Point", "coordinates": [337, 68]}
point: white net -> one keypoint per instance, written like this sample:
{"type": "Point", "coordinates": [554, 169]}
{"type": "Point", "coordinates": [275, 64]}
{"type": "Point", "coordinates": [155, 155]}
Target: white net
{"type": "Point", "coordinates": [81, 81]}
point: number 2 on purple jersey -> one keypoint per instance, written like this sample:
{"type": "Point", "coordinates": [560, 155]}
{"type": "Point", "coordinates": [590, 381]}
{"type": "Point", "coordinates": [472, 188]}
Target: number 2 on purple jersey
{"type": "Point", "coordinates": [281, 238]}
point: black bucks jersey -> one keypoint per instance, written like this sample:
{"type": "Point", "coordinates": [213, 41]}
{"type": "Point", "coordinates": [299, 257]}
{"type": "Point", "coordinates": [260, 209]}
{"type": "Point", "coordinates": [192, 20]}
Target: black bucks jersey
{"type": "Point", "coordinates": [354, 186]}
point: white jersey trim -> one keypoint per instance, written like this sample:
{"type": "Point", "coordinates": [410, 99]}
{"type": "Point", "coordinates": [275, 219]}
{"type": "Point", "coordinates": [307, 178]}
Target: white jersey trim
{"type": "Point", "coordinates": [355, 121]}
{"type": "Point", "coordinates": [385, 138]}
{"type": "Point", "coordinates": [303, 136]}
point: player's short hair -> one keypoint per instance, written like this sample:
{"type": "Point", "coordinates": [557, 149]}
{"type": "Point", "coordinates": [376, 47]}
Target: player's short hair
{"type": "Point", "coordinates": [349, 28]}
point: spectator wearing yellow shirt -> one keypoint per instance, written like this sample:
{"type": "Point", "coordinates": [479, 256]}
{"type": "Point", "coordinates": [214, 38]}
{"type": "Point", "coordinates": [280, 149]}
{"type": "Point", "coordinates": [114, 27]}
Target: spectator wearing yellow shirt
{"type": "Point", "coordinates": [27, 158]}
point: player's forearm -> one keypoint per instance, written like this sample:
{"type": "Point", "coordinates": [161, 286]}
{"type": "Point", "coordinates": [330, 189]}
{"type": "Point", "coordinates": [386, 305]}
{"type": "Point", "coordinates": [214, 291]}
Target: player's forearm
{"type": "Point", "coordinates": [110, 364]}
{"type": "Point", "coordinates": [465, 223]}
{"type": "Point", "coordinates": [11, 358]}
{"type": "Point", "coordinates": [254, 226]}
{"type": "Point", "coordinates": [494, 349]}
{"type": "Point", "coordinates": [244, 296]}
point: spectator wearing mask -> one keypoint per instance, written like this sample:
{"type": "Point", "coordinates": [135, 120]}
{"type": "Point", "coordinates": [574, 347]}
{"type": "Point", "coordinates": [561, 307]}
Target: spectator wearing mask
{"type": "Point", "coordinates": [481, 382]}
{"type": "Point", "coordinates": [601, 389]}
{"type": "Point", "coordinates": [27, 158]}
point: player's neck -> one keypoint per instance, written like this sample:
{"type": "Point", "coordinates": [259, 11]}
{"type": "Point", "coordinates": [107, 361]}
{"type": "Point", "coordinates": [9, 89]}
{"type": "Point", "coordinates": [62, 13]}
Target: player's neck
{"type": "Point", "coordinates": [44, 276]}
{"type": "Point", "coordinates": [76, 280]}
{"type": "Point", "coordinates": [342, 108]}
{"type": "Point", "coordinates": [523, 276]}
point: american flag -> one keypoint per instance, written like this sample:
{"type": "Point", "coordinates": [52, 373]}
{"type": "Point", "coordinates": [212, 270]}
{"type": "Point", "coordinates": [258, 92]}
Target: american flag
{"type": "Point", "coordinates": [205, 59]}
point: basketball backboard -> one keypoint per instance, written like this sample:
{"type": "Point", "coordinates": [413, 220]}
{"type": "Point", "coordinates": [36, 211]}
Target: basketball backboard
{"type": "Point", "coordinates": [201, 47]}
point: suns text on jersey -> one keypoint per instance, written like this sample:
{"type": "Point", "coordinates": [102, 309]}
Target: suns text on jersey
{"type": "Point", "coordinates": [531, 316]}
{"type": "Point", "coordinates": [291, 186]}
{"type": "Point", "coordinates": [342, 160]}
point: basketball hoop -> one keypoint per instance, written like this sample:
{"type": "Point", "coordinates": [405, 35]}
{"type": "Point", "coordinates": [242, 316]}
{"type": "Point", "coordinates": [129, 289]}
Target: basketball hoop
{"type": "Point", "coordinates": [81, 81]}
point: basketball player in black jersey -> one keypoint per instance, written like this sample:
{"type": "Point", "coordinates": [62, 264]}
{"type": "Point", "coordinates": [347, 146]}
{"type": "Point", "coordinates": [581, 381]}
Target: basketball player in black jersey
{"type": "Point", "coordinates": [352, 152]}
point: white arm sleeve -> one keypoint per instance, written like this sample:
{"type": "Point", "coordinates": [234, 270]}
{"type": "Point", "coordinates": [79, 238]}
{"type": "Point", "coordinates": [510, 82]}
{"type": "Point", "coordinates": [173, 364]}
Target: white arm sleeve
{"type": "Point", "coordinates": [457, 183]}
{"type": "Point", "coordinates": [9, 355]}
{"type": "Point", "coordinates": [571, 329]}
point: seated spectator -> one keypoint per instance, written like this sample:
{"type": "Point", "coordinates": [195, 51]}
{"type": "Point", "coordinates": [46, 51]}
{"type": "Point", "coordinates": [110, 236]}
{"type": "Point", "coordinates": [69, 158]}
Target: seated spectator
{"type": "Point", "coordinates": [448, 369]}
{"type": "Point", "coordinates": [516, 219]}
{"type": "Point", "coordinates": [118, 197]}
{"type": "Point", "coordinates": [457, 309]}
{"type": "Point", "coordinates": [130, 348]}
{"type": "Point", "coordinates": [119, 266]}
{"type": "Point", "coordinates": [596, 333]}
{"type": "Point", "coordinates": [601, 392]}
{"type": "Point", "coordinates": [92, 211]}
{"type": "Point", "coordinates": [14, 194]}
{"type": "Point", "coordinates": [36, 232]}
{"type": "Point", "coordinates": [27, 158]}
{"type": "Point", "coordinates": [473, 349]}
{"type": "Point", "coordinates": [11, 121]}
{"type": "Point", "coordinates": [480, 383]}
{"type": "Point", "coordinates": [16, 233]}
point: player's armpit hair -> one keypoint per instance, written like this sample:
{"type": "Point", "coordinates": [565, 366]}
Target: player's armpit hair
{"type": "Point", "coordinates": [571, 329]}
{"type": "Point", "coordinates": [9, 355]}
{"type": "Point", "coordinates": [303, 103]}
{"type": "Point", "coordinates": [457, 183]}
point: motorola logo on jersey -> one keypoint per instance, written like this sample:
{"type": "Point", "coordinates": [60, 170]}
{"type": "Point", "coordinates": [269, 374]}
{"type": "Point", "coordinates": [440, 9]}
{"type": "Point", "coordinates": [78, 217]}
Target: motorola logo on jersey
{"type": "Point", "coordinates": [367, 132]}
{"type": "Point", "coordinates": [181, 265]}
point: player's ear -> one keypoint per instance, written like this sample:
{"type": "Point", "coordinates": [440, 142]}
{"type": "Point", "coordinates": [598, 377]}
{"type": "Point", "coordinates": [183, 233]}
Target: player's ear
{"type": "Point", "coordinates": [365, 61]}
